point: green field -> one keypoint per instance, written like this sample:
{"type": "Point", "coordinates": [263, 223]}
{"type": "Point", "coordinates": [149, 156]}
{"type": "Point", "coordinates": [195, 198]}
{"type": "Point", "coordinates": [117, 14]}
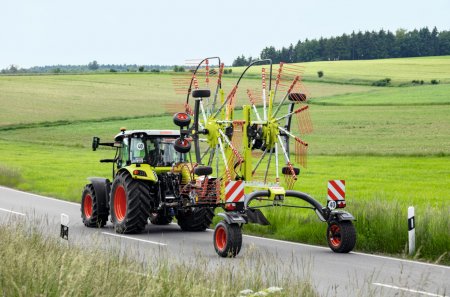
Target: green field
{"type": "Point", "coordinates": [391, 144]}
{"type": "Point", "coordinates": [401, 71]}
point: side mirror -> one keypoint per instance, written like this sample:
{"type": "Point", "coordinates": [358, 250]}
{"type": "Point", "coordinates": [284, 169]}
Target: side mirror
{"type": "Point", "coordinates": [95, 142]}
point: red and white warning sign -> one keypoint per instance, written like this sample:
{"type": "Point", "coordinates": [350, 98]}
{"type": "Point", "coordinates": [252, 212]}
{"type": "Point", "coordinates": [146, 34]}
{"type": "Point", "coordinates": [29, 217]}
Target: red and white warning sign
{"type": "Point", "coordinates": [336, 192]}
{"type": "Point", "coordinates": [234, 191]}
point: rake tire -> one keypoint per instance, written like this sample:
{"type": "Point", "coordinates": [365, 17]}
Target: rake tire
{"type": "Point", "coordinates": [341, 236]}
{"type": "Point", "coordinates": [130, 204]}
{"type": "Point", "coordinates": [227, 239]}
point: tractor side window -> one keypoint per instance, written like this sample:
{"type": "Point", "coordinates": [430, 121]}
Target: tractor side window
{"type": "Point", "coordinates": [153, 151]}
{"type": "Point", "coordinates": [123, 154]}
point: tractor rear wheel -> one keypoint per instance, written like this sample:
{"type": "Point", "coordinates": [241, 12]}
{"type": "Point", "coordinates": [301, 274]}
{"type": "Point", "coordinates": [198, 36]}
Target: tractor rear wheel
{"type": "Point", "coordinates": [160, 219]}
{"type": "Point", "coordinates": [341, 236]}
{"type": "Point", "coordinates": [227, 239]}
{"type": "Point", "coordinates": [90, 209]}
{"type": "Point", "coordinates": [198, 219]}
{"type": "Point", "coordinates": [130, 204]}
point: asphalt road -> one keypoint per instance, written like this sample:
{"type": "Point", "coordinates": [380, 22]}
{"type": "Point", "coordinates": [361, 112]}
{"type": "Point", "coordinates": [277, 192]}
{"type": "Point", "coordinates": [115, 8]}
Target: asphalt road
{"type": "Point", "coordinates": [353, 274]}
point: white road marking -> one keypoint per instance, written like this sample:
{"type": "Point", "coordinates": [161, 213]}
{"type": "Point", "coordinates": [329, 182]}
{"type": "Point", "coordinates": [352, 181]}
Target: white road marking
{"type": "Point", "coordinates": [407, 290]}
{"type": "Point", "coordinates": [262, 238]}
{"type": "Point", "coordinates": [14, 212]}
{"type": "Point", "coordinates": [39, 196]}
{"type": "Point", "coordinates": [132, 238]}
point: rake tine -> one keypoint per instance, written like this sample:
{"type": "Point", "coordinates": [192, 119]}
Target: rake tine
{"type": "Point", "coordinates": [218, 87]}
{"type": "Point", "coordinates": [264, 93]}
{"type": "Point", "coordinates": [235, 151]}
{"type": "Point", "coordinates": [277, 82]}
{"type": "Point", "coordinates": [288, 162]}
{"type": "Point", "coordinates": [227, 170]}
{"type": "Point", "coordinates": [252, 101]}
{"type": "Point", "coordinates": [296, 79]}
{"type": "Point", "coordinates": [268, 166]}
{"type": "Point", "coordinates": [277, 177]}
{"type": "Point", "coordinates": [291, 113]}
{"type": "Point", "coordinates": [259, 161]}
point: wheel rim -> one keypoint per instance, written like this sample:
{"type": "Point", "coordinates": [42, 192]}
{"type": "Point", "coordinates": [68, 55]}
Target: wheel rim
{"type": "Point", "coordinates": [221, 238]}
{"type": "Point", "coordinates": [335, 235]}
{"type": "Point", "coordinates": [120, 203]}
{"type": "Point", "coordinates": [182, 116]}
{"type": "Point", "coordinates": [87, 206]}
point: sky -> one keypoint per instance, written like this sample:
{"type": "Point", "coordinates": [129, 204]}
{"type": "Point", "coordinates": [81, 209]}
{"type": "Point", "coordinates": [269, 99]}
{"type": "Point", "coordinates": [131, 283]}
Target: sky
{"type": "Point", "coordinates": [52, 32]}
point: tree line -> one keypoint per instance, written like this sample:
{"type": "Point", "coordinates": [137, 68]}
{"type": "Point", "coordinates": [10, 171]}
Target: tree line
{"type": "Point", "coordinates": [90, 67]}
{"type": "Point", "coordinates": [360, 46]}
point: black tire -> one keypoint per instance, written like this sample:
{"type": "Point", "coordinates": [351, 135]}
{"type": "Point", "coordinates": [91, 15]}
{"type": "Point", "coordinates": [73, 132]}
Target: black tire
{"type": "Point", "coordinates": [182, 146]}
{"type": "Point", "coordinates": [160, 219]}
{"type": "Point", "coordinates": [297, 97]}
{"type": "Point", "coordinates": [130, 204]}
{"type": "Point", "coordinates": [227, 239]}
{"type": "Point", "coordinates": [203, 170]}
{"type": "Point", "coordinates": [286, 170]}
{"type": "Point", "coordinates": [198, 219]}
{"type": "Point", "coordinates": [341, 236]}
{"type": "Point", "coordinates": [90, 209]}
{"type": "Point", "coordinates": [181, 119]}
{"type": "Point", "coordinates": [201, 93]}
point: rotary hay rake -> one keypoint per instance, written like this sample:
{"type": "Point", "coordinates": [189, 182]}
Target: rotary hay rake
{"type": "Point", "coordinates": [239, 142]}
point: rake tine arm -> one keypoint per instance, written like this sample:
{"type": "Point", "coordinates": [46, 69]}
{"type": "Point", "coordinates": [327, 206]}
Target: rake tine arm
{"type": "Point", "coordinates": [288, 162]}
{"type": "Point", "coordinates": [235, 151]}
{"type": "Point", "coordinates": [293, 136]}
{"type": "Point", "coordinates": [294, 82]}
{"type": "Point", "coordinates": [252, 101]}
{"type": "Point", "coordinates": [292, 113]}
{"type": "Point", "coordinates": [227, 170]}
{"type": "Point", "coordinates": [268, 166]}
{"type": "Point", "coordinates": [259, 161]}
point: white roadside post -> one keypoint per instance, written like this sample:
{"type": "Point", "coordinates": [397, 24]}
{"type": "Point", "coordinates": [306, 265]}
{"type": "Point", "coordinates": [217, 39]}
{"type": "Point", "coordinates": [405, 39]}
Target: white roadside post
{"type": "Point", "coordinates": [411, 230]}
{"type": "Point", "coordinates": [64, 226]}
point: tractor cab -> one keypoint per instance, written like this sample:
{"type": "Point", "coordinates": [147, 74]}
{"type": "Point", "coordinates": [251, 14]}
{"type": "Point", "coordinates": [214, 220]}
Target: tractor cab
{"type": "Point", "coordinates": [152, 147]}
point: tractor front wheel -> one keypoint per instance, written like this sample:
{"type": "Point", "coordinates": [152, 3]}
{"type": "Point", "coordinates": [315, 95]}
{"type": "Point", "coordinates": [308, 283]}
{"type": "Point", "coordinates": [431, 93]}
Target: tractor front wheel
{"type": "Point", "coordinates": [341, 236]}
{"type": "Point", "coordinates": [130, 204]}
{"type": "Point", "coordinates": [90, 209]}
{"type": "Point", "coordinates": [227, 239]}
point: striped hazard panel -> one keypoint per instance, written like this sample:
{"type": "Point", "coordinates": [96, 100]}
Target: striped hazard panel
{"type": "Point", "coordinates": [234, 191]}
{"type": "Point", "coordinates": [336, 191]}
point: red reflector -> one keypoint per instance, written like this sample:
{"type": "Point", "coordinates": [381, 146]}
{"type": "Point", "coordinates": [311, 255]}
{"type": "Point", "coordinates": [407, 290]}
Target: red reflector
{"type": "Point", "coordinates": [230, 206]}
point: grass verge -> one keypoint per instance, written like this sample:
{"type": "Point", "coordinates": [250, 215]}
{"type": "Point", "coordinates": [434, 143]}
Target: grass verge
{"type": "Point", "coordinates": [33, 265]}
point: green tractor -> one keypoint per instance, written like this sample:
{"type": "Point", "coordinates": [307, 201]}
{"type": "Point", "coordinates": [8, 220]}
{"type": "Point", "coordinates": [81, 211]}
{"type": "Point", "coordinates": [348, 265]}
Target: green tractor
{"type": "Point", "coordinates": [151, 182]}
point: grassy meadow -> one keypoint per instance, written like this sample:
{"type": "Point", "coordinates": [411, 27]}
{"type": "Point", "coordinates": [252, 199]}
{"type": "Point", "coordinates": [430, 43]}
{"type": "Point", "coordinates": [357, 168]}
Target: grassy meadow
{"type": "Point", "coordinates": [34, 265]}
{"type": "Point", "coordinates": [390, 144]}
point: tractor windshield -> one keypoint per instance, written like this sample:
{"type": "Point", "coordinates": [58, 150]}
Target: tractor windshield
{"type": "Point", "coordinates": [155, 151]}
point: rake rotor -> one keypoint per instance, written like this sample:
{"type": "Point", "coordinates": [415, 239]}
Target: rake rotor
{"type": "Point", "coordinates": [222, 142]}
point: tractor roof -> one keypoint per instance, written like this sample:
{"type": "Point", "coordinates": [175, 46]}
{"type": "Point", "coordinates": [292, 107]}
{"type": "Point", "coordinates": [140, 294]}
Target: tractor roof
{"type": "Point", "coordinates": [165, 133]}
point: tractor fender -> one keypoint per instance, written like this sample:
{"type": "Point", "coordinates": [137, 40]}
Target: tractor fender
{"type": "Point", "coordinates": [232, 218]}
{"type": "Point", "coordinates": [340, 215]}
{"type": "Point", "coordinates": [150, 174]}
{"type": "Point", "coordinates": [102, 188]}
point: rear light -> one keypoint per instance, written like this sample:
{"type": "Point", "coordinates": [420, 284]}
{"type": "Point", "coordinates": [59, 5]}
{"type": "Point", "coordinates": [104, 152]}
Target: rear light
{"type": "Point", "coordinates": [139, 172]}
{"type": "Point", "coordinates": [230, 206]}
